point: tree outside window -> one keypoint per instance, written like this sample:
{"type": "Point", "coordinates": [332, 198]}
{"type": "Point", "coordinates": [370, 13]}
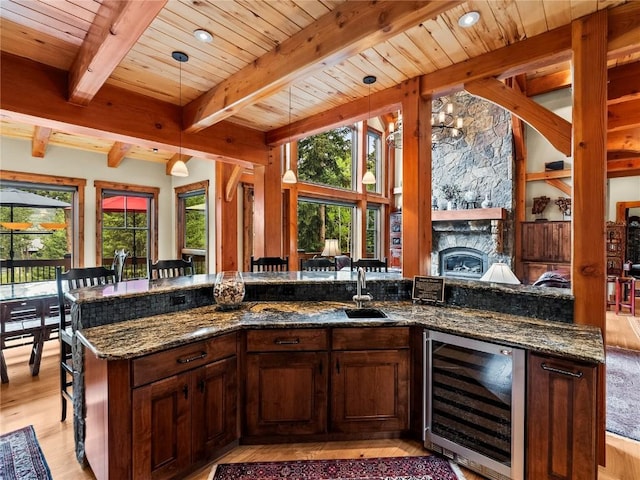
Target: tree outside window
{"type": "Point", "coordinates": [328, 158]}
{"type": "Point", "coordinates": [318, 221]}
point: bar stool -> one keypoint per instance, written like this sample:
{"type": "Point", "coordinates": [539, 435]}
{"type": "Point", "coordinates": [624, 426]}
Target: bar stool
{"type": "Point", "coordinates": [611, 291]}
{"type": "Point", "coordinates": [626, 294]}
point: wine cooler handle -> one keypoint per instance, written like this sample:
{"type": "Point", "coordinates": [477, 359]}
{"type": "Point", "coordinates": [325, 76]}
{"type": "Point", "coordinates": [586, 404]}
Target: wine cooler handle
{"type": "Point", "coordinates": [560, 371]}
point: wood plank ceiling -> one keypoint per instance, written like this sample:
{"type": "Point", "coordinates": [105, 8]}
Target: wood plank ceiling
{"type": "Point", "coordinates": [128, 45]}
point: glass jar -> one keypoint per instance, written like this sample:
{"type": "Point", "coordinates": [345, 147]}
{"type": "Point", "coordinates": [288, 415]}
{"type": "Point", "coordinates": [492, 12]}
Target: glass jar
{"type": "Point", "coordinates": [228, 290]}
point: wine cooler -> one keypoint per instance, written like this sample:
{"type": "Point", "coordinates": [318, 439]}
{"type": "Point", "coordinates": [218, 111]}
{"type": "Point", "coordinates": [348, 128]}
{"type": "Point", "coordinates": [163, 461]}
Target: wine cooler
{"type": "Point", "coordinates": [474, 404]}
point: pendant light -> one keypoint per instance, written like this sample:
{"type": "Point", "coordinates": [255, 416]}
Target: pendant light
{"type": "Point", "coordinates": [179, 169]}
{"type": "Point", "coordinates": [369, 178]}
{"type": "Point", "coordinates": [289, 176]}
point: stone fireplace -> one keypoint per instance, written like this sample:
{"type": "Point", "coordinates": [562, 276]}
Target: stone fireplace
{"type": "Point", "coordinates": [463, 262]}
{"type": "Point", "coordinates": [467, 241]}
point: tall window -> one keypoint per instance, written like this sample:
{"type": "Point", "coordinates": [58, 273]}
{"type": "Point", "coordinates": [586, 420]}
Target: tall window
{"type": "Point", "coordinates": [328, 158]}
{"type": "Point", "coordinates": [373, 248]}
{"type": "Point", "coordinates": [318, 221]}
{"type": "Point", "coordinates": [192, 224]}
{"type": "Point", "coordinates": [127, 220]}
{"type": "Point", "coordinates": [374, 159]}
{"type": "Point", "coordinates": [36, 230]}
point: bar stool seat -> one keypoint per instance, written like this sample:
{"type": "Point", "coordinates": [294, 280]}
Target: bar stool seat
{"type": "Point", "coordinates": [626, 294]}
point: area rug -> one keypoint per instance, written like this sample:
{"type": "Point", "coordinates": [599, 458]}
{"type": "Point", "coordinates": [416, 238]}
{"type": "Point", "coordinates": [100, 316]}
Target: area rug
{"type": "Point", "coordinates": [390, 468]}
{"type": "Point", "coordinates": [21, 457]}
{"type": "Point", "coordinates": [623, 392]}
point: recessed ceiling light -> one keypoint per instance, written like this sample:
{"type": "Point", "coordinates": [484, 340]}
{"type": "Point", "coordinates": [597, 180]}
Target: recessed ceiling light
{"type": "Point", "coordinates": [469, 19]}
{"type": "Point", "coordinates": [203, 35]}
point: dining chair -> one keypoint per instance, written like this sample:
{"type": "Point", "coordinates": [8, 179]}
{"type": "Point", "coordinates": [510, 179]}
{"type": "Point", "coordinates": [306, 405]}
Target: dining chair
{"type": "Point", "coordinates": [170, 268]}
{"type": "Point", "coordinates": [370, 264]}
{"type": "Point", "coordinates": [72, 279]}
{"type": "Point", "coordinates": [270, 264]}
{"type": "Point", "coordinates": [317, 264]}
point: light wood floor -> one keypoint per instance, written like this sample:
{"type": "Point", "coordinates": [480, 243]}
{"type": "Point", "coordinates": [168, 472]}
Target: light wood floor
{"type": "Point", "coordinates": [28, 400]}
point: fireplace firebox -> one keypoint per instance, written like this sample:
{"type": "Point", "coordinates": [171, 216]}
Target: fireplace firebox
{"type": "Point", "coordinates": [463, 262]}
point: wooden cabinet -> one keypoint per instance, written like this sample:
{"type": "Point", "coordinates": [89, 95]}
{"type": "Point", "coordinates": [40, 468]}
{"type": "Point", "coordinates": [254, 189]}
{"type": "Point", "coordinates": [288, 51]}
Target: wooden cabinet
{"type": "Point", "coordinates": [616, 237]}
{"type": "Point", "coordinates": [546, 246]}
{"type": "Point", "coordinates": [158, 416]}
{"type": "Point", "coordinates": [289, 382]}
{"type": "Point", "coordinates": [286, 382]}
{"type": "Point", "coordinates": [370, 379]}
{"type": "Point", "coordinates": [548, 242]}
{"type": "Point", "coordinates": [561, 419]}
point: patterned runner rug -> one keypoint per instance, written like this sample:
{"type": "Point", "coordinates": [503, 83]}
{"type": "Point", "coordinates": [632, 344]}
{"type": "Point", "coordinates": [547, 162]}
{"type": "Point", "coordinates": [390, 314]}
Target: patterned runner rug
{"type": "Point", "coordinates": [391, 468]}
{"type": "Point", "coordinates": [623, 392]}
{"type": "Point", "coordinates": [21, 457]}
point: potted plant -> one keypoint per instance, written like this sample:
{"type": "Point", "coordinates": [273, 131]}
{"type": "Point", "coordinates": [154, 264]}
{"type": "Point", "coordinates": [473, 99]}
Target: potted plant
{"type": "Point", "coordinates": [451, 193]}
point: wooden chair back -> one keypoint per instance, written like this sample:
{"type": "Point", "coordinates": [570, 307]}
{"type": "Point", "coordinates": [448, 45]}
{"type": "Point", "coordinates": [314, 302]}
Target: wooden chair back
{"type": "Point", "coordinates": [317, 264]}
{"type": "Point", "coordinates": [370, 264]}
{"type": "Point", "coordinates": [270, 264]}
{"type": "Point", "coordinates": [170, 268]}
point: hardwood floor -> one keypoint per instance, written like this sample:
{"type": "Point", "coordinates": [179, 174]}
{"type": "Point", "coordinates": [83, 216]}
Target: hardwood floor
{"type": "Point", "coordinates": [35, 400]}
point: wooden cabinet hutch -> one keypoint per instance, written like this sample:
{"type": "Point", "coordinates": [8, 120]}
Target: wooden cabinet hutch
{"type": "Point", "coordinates": [546, 246]}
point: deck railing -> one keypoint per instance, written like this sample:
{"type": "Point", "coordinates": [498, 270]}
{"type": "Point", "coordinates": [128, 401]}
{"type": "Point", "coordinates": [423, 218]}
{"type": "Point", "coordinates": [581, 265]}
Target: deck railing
{"type": "Point", "coordinates": [42, 270]}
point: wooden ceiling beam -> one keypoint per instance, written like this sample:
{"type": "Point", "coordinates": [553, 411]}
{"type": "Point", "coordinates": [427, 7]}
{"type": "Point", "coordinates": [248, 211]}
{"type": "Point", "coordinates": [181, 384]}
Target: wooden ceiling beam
{"type": "Point", "coordinates": [40, 141]}
{"type": "Point", "coordinates": [551, 126]}
{"type": "Point", "coordinates": [536, 52]}
{"type": "Point", "coordinates": [117, 153]}
{"type": "Point", "coordinates": [349, 29]}
{"type": "Point", "coordinates": [543, 50]}
{"type": "Point", "coordinates": [548, 83]}
{"type": "Point", "coordinates": [35, 93]}
{"type": "Point", "coordinates": [623, 168]}
{"type": "Point", "coordinates": [174, 159]}
{"type": "Point", "coordinates": [623, 116]}
{"type": "Point", "coordinates": [379, 103]}
{"type": "Point", "coordinates": [116, 28]}
{"type": "Point", "coordinates": [627, 140]}
{"type": "Point", "coordinates": [623, 83]}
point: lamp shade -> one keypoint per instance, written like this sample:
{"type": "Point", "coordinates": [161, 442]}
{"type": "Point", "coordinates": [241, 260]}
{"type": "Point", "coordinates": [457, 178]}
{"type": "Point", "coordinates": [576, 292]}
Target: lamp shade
{"type": "Point", "coordinates": [331, 248]}
{"type": "Point", "coordinates": [368, 178]}
{"type": "Point", "coordinates": [289, 177]}
{"type": "Point", "coordinates": [500, 273]}
{"type": "Point", "coordinates": [179, 169]}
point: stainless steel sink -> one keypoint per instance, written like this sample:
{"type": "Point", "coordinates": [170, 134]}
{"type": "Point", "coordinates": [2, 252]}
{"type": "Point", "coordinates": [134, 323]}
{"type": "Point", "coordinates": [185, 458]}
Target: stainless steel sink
{"type": "Point", "coordinates": [364, 313]}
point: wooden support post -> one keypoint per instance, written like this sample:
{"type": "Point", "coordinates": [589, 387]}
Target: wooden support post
{"type": "Point", "coordinates": [291, 213]}
{"type": "Point", "coordinates": [588, 266]}
{"type": "Point", "coordinates": [267, 216]}
{"type": "Point", "coordinates": [226, 221]}
{"type": "Point", "coordinates": [416, 183]}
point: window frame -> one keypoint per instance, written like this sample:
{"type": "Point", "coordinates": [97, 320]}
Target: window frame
{"type": "Point", "coordinates": [181, 193]}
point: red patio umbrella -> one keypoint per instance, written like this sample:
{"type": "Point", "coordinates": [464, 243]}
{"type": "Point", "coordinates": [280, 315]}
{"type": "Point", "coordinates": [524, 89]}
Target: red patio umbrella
{"type": "Point", "coordinates": [120, 203]}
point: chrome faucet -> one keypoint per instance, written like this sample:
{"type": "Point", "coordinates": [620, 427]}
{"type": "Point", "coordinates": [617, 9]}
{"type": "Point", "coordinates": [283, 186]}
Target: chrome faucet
{"type": "Point", "coordinates": [361, 283]}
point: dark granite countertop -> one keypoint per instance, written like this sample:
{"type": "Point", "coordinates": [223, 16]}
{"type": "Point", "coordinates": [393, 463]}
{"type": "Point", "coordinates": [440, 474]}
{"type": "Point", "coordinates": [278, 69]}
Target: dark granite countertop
{"type": "Point", "coordinates": [147, 335]}
{"type": "Point", "coordinates": [134, 288]}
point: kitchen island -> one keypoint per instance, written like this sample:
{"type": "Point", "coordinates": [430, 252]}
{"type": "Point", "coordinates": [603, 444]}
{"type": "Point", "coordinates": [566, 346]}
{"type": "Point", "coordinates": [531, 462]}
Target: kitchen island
{"type": "Point", "coordinates": [128, 364]}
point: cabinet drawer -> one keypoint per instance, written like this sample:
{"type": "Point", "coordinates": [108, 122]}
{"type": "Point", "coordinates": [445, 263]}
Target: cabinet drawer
{"type": "Point", "coordinates": [176, 360]}
{"type": "Point", "coordinates": [285, 339]}
{"type": "Point", "coordinates": [370, 338]}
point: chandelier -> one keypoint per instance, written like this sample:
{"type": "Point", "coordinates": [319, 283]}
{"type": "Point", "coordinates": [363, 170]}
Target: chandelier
{"type": "Point", "coordinates": [446, 125]}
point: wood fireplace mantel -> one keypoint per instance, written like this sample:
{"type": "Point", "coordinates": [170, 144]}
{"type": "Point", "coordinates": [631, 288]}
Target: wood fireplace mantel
{"type": "Point", "coordinates": [495, 213]}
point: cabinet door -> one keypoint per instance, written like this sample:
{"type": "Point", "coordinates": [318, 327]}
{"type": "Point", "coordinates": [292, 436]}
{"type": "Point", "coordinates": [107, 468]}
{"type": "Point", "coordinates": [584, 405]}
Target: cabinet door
{"type": "Point", "coordinates": [286, 393]}
{"type": "Point", "coordinates": [561, 439]}
{"type": "Point", "coordinates": [214, 408]}
{"type": "Point", "coordinates": [162, 428]}
{"type": "Point", "coordinates": [370, 391]}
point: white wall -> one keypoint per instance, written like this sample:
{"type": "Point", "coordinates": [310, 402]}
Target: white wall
{"type": "Point", "coordinates": [539, 151]}
{"type": "Point", "coordinates": [15, 155]}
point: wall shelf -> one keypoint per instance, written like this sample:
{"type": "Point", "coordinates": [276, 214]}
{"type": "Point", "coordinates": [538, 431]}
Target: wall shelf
{"type": "Point", "coordinates": [495, 213]}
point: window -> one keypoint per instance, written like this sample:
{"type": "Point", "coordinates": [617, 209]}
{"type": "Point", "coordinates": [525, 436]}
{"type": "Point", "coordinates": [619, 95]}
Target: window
{"type": "Point", "coordinates": [36, 230]}
{"type": "Point", "coordinates": [318, 221]}
{"type": "Point", "coordinates": [127, 220]}
{"type": "Point", "coordinates": [328, 158]}
{"type": "Point", "coordinates": [373, 233]}
{"type": "Point", "coordinates": [192, 224]}
{"type": "Point", "coordinates": [374, 159]}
